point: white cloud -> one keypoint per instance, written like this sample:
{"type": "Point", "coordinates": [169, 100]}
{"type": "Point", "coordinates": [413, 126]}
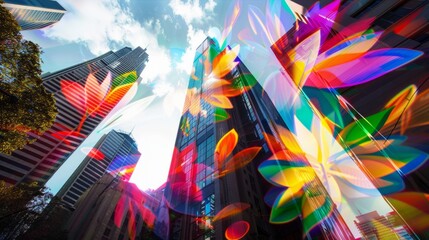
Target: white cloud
{"type": "Point", "coordinates": [191, 11]}
{"type": "Point", "coordinates": [162, 89]}
{"type": "Point", "coordinates": [210, 5]}
{"type": "Point", "coordinates": [154, 25]}
{"type": "Point", "coordinates": [167, 18]}
{"type": "Point", "coordinates": [103, 24]}
{"type": "Point", "coordinates": [195, 38]}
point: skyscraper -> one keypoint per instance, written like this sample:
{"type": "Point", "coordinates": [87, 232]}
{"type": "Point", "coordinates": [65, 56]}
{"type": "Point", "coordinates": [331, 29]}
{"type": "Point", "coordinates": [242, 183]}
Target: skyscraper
{"type": "Point", "coordinates": [219, 146]}
{"type": "Point", "coordinates": [114, 153]}
{"type": "Point", "coordinates": [35, 14]}
{"type": "Point", "coordinates": [82, 103]}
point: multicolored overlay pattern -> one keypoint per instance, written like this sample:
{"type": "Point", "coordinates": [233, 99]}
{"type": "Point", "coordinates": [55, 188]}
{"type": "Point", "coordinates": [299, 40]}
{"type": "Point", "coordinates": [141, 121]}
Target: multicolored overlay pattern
{"type": "Point", "coordinates": [278, 132]}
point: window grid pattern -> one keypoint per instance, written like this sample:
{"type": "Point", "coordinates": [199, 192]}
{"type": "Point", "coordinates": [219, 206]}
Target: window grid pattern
{"type": "Point", "coordinates": [48, 152]}
{"type": "Point", "coordinates": [119, 150]}
{"type": "Point", "coordinates": [34, 19]}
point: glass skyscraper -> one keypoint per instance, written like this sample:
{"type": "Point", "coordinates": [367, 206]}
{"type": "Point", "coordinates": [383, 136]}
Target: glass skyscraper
{"type": "Point", "coordinates": [116, 153]}
{"type": "Point", "coordinates": [220, 144]}
{"type": "Point", "coordinates": [79, 112]}
{"type": "Point", "coordinates": [35, 14]}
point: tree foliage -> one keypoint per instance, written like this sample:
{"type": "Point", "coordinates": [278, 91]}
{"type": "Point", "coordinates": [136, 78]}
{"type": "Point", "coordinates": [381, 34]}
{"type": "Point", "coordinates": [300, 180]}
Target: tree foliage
{"type": "Point", "coordinates": [50, 225]}
{"type": "Point", "coordinates": [19, 206]}
{"type": "Point", "coordinates": [26, 108]}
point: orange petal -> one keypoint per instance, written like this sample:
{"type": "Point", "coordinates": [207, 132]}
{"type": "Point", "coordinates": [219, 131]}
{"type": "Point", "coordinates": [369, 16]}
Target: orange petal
{"type": "Point", "coordinates": [420, 110]}
{"type": "Point", "coordinates": [378, 166]}
{"type": "Point", "coordinates": [218, 101]}
{"type": "Point", "coordinates": [372, 146]}
{"type": "Point", "coordinates": [232, 92]}
{"type": "Point", "coordinates": [92, 93]}
{"type": "Point", "coordinates": [192, 102]}
{"type": "Point", "coordinates": [289, 140]}
{"type": "Point", "coordinates": [400, 102]}
{"type": "Point", "coordinates": [273, 143]}
{"type": "Point", "coordinates": [230, 210]}
{"type": "Point", "coordinates": [240, 159]}
{"type": "Point", "coordinates": [225, 146]}
{"type": "Point", "coordinates": [117, 93]}
{"type": "Point", "coordinates": [224, 62]}
{"type": "Point", "coordinates": [360, 44]}
{"type": "Point", "coordinates": [311, 204]}
{"type": "Point", "coordinates": [74, 93]}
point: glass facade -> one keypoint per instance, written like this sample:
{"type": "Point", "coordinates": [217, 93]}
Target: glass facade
{"type": "Point", "coordinates": [35, 14]}
{"type": "Point", "coordinates": [223, 106]}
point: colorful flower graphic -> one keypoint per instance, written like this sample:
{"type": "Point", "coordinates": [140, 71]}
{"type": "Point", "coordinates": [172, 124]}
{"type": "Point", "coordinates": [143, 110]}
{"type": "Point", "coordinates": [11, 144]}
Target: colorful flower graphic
{"type": "Point", "coordinates": [305, 157]}
{"type": "Point", "coordinates": [132, 203]}
{"type": "Point", "coordinates": [216, 90]}
{"type": "Point", "coordinates": [224, 149]}
{"type": "Point", "coordinates": [93, 98]}
{"type": "Point", "coordinates": [237, 230]}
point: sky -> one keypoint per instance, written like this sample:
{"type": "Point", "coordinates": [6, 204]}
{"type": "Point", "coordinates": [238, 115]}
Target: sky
{"type": "Point", "coordinates": [170, 30]}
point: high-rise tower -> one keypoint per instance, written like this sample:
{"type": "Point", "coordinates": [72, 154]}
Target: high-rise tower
{"type": "Point", "coordinates": [214, 187]}
{"type": "Point", "coordinates": [85, 94]}
{"type": "Point", "coordinates": [115, 153]}
{"type": "Point", "coordinates": [35, 14]}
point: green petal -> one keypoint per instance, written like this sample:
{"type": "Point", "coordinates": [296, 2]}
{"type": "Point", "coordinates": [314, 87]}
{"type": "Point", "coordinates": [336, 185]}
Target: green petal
{"type": "Point", "coordinates": [327, 103]}
{"type": "Point", "coordinates": [318, 214]}
{"type": "Point", "coordinates": [359, 131]}
{"type": "Point", "coordinates": [283, 213]}
{"type": "Point", "coordinates": [129, 77]}
{"type": "Point", "coordinates": [220, 114]}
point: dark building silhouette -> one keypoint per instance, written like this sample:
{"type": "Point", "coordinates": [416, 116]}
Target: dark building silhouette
{"type": "Point", "coordinates": [40, 160]}
{"type": "Point", "coordinates": [115, 152]}
{"type": "Point", "coordinates": [113, 209]}
{"type": "Point", "coordinates": [35, 14]}
{"type": "Point", "coordinates": [197, 187]}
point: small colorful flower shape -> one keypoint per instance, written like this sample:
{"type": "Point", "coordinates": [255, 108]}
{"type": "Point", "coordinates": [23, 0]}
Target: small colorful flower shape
{"type": "Point", "coordinates": [216, 90]}
{"type": "Point", "coordinates": [86, 99]}
{"type": "Point", "coordinates": [296, 195]}
{"type": "Point", "coordinates": [224, 149]}
{"type": "Point", "coordinates": [132, 203]}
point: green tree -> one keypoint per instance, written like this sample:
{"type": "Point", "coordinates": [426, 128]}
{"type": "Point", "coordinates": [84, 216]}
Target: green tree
{"type": "Point", "coordinates": [50, 225]}
{"type": "Point", "coordinates": [19, 206]}
{"type": "Point", "coordinates": [26, 108]}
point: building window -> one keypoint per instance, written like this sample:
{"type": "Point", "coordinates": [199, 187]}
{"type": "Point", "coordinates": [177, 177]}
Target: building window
{"type": "Point", "coordinates": [367, 8]}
